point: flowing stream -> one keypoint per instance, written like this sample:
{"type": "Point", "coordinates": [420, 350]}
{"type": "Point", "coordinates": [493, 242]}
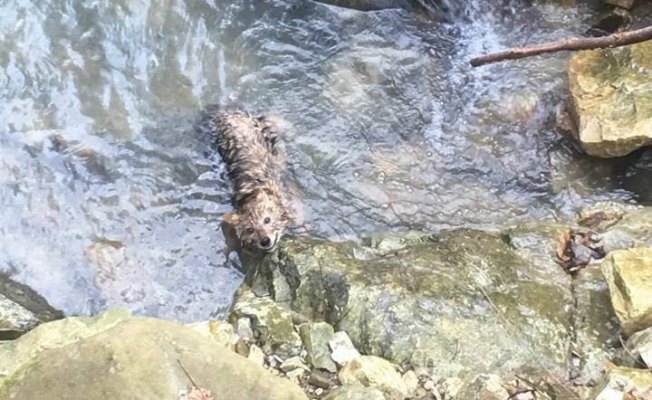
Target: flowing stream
{"type": "Point", "coordinates": [110, 199]}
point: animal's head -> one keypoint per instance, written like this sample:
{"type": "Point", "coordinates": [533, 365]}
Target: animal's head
{"type": "Point", "coordinates": [260, 221]}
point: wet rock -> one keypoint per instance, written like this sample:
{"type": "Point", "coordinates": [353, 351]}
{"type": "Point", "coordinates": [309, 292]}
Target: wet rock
{"type": "Point", "coordinates": [220, 331]}
{"type": "Point", "coordinates": [612, 99]}
{"type": "Point", "coordinates": [638, 350]}
{"type": "Point", "coordinates": [115, 356]}
{"type": "Point", "coordinates": [271, 323]}
{"type": "Point", "coordinates": [372, 371]}
{"type": "Point", "coordinates": [342, 348]}
{"type": "Point", "coordinates": [22, 309]}
{"type": "Point", "coordinates": [438, 301]}
{"type": "Point", "coordinates": [355, 392]}
{"type": "Point", "coordinates": [629, 276]}
{"type": "Point", "coordinates": [315, 337]}
{"type": "Point", "coordinates": [625, 384]}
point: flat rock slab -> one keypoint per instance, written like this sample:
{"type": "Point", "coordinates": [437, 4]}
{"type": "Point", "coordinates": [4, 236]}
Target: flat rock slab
{"type": "Point", "coordinates": [115, 356]}
{"type": "Point", "coordinates": [611, 91]}
{"type": "Point", "coordinates": [459, 302]}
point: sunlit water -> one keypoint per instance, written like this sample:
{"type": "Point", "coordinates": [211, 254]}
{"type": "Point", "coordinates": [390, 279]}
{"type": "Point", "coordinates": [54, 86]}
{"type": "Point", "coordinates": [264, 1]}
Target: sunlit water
{"type": "Point", "coordinates": [109, 198]}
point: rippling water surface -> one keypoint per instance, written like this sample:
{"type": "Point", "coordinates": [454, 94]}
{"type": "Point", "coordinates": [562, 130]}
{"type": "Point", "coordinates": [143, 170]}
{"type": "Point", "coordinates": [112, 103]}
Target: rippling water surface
{"type": "Point", "coordinates": [110, 199]}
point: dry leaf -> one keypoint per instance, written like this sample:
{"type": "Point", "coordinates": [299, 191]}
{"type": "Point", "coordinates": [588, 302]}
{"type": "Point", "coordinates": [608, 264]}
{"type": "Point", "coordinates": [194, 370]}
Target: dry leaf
{"type": "Point", "coordinates": [200, 394]}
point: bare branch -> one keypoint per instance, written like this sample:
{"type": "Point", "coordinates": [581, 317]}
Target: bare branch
{"type": "Point", "coordinates": [614, 40]}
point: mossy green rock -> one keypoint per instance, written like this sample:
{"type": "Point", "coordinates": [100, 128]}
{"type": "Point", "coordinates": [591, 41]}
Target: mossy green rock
{"type": "Point", "coordinates": [462, 301]}
{"type": "Point", "coordinates": [315, 337]}
{"type": "Point", "coordinates": [611, 91]}
{"type": "Point", "coordinates": [629, 275]}
{"type": "Point", "coordinates": [115, 356]}
{"type": "Point", "coordinates": [271, 323]}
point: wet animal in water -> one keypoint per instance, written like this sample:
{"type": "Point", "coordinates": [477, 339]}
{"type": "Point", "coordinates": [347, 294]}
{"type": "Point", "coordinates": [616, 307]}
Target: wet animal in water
{"type": "Point", "coordinates": [249, 147]}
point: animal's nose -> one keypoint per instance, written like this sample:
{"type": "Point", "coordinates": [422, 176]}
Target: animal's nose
{"type": "Point", "coordinates": [266, 242]}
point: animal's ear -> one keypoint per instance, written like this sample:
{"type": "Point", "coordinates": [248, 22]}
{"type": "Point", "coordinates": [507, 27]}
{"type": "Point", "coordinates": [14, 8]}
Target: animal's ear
{"type": "Point", "coordinates": [231, 218]}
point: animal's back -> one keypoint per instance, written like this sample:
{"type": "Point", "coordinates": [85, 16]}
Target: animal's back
{"type": "Point", "coordinates": [248, 145]}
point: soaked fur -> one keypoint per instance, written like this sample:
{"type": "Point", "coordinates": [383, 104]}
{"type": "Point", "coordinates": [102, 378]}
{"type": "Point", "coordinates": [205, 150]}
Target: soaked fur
{"type": "Point", "coordinates": [248, 146]}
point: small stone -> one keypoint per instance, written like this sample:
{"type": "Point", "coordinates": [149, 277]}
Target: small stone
{"type": "Point", "coordinates": [411, 382]}
{"type": "Point", "coordinates": [319, 391]}
{"type": "Point", "coordinates": [342, 349]}
{"type": "Point", "coordinates": [629, 276]}
{"type": "Point", "coordinates": [315, 337]}
{"type": "Point", "coordinates": [243, 329]}
{"type": "Point", "coordinates": [421, 392]}
{"type": "Point", "coordinates": [256, 355]}
{"type": "Point", "coordinates": [293, 363]}
{"type": "Point", "coordinates": [452, 386]}
{"type": "Point", "coordinates": [320, 380]}
{"type": "Point", "coordinates": [376, 372]}
{"type": "Point", "coordinates": [242, 348]}
{"type": "Point", "coordinates": [273, 324]}
{"type": "Point", "coordinates": [429, 386]}
{"type": "Point", "coordinates": [295, 375]}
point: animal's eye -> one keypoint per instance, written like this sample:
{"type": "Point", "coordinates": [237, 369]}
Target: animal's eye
{"type": "Point", "coordinates": [267, 220]}
{"type": "Point", "coordinates": [250, 231]}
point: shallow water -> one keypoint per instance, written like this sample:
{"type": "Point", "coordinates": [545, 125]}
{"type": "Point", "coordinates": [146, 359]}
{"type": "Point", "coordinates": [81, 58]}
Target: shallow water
{"type": "Point", "coordinates": [110, 199]}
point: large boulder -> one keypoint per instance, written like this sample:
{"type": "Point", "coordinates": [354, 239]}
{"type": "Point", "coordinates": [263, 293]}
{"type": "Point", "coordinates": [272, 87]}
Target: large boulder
{"type": "Point", "coordinates": [611, 93]}
{"type": "Point", "coordinates": [629, 275]}
{"type": "Point", "coordinates": [22, 309]}
{"type": "Point", "coordinates": [115, 356]}
{"type": "Point", "coordinates": [437, 302]}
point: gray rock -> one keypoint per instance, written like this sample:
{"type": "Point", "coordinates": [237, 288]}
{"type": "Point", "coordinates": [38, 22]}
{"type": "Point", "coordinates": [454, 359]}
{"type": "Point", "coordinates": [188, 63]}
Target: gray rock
{"type": "Point", "coordinates": [315, 337]}
{"type": "Point", "coordinates": [271, 323]}
{"type": "Point", "coordinates": [629, 276]}
{"type": "Point", "coordinates": [355, 392]}
{"type": "Point", "coordinates": [115, 356]}
{"type": "Point", "coordinates": [22, 309]}
{"type": "Point", "coordinates": [612, 99]}
{"type": "Point", "coordinates": [342, 349]}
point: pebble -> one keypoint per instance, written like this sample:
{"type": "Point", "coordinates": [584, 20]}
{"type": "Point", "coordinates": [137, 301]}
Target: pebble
{"type": "Point", "coordinates": [318, 379]}
{"type": "Point", "coordinates": [429, 386]}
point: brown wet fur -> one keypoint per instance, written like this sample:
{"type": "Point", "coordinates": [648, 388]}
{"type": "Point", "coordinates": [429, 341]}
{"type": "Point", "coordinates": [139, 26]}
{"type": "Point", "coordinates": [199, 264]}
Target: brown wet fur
{"type": "Point", "coordinates": [249, 147]}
